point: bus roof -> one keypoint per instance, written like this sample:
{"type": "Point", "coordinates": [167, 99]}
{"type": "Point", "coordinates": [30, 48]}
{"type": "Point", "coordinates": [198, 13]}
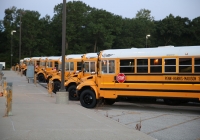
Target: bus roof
{"type": "Point", "coordinates": [91, 55]}
{"type": "Point", "coordinates": [37, 58]}
{"type": "Point", "coordinates": [53, 57]}
{"type": "Point", "coordinates": [74, 56]}
{"type": "Point", "coordinates": [146, 52]}
{"type": "Point", "coordinates": [26, 59]}
{"type": "Point", "coordinates": [43, 58]}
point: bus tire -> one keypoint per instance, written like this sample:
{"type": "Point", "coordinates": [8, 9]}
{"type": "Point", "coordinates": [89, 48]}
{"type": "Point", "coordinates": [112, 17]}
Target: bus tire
{"type": "Point", "coordinates": [56, 86]}
{"type": "Point", "coordinates": [24, 72]}
{"type": "Point", "coordinates": [41, 78]}
{"type": "Point", "coordinates": [88, 99]}
{"type": "Point", "coordinates": [72, 93]}
{"type": "Point", "coordinates": [109, 101]}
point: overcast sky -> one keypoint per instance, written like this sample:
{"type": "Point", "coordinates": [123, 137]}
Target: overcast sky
{"type": "Point", "coordinates": [126, 8]}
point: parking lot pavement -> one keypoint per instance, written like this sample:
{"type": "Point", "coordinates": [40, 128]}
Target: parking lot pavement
{"type": "Point", "coordinates": [158, 120]}
{"type": "Point", "coordinates": [36, 116]}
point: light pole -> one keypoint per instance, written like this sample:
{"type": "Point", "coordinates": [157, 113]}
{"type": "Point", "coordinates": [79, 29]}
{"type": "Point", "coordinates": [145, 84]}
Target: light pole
{"type": "Point", "coordinates": [62, 97]}
{"type": "Point", "coordinates": [63, 45]}
{"type": "Point", "coordinates": [20, 34]}
{"type": "Point", "coordinates": [13, 31]}
{"type": "Point", "coordinates": [20, 30]}
{"type": "Point", "coordinates": [146, 39]}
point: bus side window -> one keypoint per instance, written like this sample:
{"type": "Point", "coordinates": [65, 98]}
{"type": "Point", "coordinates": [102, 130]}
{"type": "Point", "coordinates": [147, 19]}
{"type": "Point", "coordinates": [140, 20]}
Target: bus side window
{"type": "Point", "coordinates": [170, 65]}
{"type": "Point", "coordinates": [38, 63]}
{"type": "Point", "coordinates": [111, 66]}
{"type": "Point", "coordinates": [104, 66]}
{"type": "Point", "coordinates": [67, 66]}
{"type": "Point", "coordinates": [127, 66]}
{"type": "Point", "coordinates": [156, 65]}
{"type": "Point", "coordinates": [87, 67]}
{"type": "Point", "coordinates": [47, 64]}
{"type": "Point", "coordinates": [50, 64]}
{"type": "Point", "coordinates": [142, 65]}
{"type": "Point", "coordinates": [92, 66]}
{"type": "Point", "coordinates": [197, 65]}
{"type": "Point", "coordinates": [185, 65]}
{"type": "Point", "coordinates": [71, 65]}
{"type": "Point", "coordinates": [56, 65]}
{"type": "Point", "coordinates": [79, 65]}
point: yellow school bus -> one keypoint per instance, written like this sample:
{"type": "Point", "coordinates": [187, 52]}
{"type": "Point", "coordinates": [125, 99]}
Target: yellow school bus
{"type": "Point", "coordinates": [169, 73]}
{"type": "Point", "coordinates": [17, 67]}
{"type": "Point", "coordinates": [89, 62]}
{"type": "Point", "coordinates": [24, 65]}
{"type": "Point", "coordinates": [72, 64]}
{"type": "Point", "coordinates": [52, 63]}
{"type": "Point", "coordinates": [40, 69]}
{"type": "Point", "coordinates": [41, 65]}
{"type": "Point", "coordinates": [20, 64]}
{"type": "Point", "coordinates": [35, 61]}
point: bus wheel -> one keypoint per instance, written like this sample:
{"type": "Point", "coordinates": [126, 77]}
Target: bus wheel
{"type": "Point", "coordinates": [56, 86]}
{"type": "Point", "coordinates": [24, 72]}
{"type": "Point", "coordinates": [109, 101]}
{"type": "Point", "coordinates": [172, 101]}
{"type": "Point", "coordinates": [72, 93]}
{"type": "Point", "coordinates": [88, 99]}
{"type": "Point", "coordinates": [41, 78]}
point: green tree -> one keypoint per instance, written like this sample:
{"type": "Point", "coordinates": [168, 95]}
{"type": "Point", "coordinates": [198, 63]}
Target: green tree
{"type": "Point", "coordinates": [76, 39]}
{"type": "Point", "coordinates": [125, 38]}
{"type": "Point", "coordinates": [56, 29]}
{"type": "Point", "coordinates": [4, 53]}
{"type": "Point", "coordinates": [102, 28]}
{"type": "Point", "coordinates": [35, 33]}
{"type": "Point", "coordinates": [8, 24]}
{"type": "Point", "coordinates": [76, 27]}
{"type": "Point", "coordinates": [174, 31]}
{"type": "Point", "coordinates": [134, 31]}
{"type": "Point", "coordinates": [195, 28]}
{"type": "Point", "coordinates": [144, 14]}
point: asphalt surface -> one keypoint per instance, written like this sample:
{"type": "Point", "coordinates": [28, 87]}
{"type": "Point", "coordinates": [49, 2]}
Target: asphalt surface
{"type": "Point", "coordinates": [158, 120]}
{"type": "Point", "coordinates": [36, 116]}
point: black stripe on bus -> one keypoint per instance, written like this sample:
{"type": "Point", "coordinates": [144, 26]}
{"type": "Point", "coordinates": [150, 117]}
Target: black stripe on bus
{"type": "Point", "coordinates": [163, 82]}
{"type": "Point", "coordinates": [151, 90]}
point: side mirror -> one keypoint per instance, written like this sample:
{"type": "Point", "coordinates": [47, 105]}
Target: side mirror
{"type": "Point", "coordinates": [77, 72]}
{"type": "Point", "coordinates": [92, 73]}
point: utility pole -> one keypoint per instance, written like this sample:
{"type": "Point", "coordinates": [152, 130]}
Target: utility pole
{"type": "Point", "coordinates": [20, 30]}
{"type": "Point", "coordinates": [62, 97]}
{"type": "Point", "coordinates": [63, 45]}
{"type": "Point", "coordinates": [13, 31]}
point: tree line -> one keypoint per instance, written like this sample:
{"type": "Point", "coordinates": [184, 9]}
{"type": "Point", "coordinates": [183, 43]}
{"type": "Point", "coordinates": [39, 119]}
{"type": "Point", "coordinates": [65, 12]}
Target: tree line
{"type": "Point", "coordinates": [89, 29]}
